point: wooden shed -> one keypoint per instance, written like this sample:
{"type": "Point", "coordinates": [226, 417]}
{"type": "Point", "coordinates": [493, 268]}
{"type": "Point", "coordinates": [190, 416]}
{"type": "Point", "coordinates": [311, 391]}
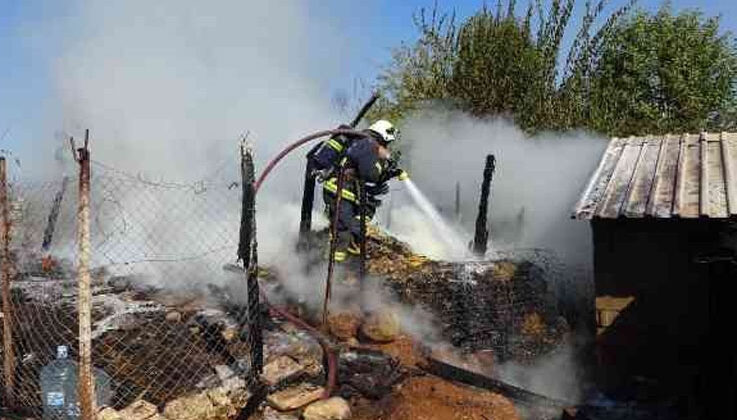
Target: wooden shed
{"type": "Point", "coordinates": [662, 210]}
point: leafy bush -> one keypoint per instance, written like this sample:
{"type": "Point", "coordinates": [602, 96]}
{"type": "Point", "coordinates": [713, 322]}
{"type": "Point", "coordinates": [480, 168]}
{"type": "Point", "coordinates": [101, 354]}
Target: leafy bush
{"type": "Point", "coordinates": [631, 72]}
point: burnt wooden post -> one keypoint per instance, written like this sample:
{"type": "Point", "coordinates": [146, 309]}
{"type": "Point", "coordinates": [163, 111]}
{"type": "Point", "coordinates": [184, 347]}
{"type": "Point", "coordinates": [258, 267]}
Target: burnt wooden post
{"type": "Point", "coordinates": [308, 199]}
{"type": "Point", "coordinates": [8, 354]}
{"type": "Point", "coordinates": [482, 230]}
{"type": "Point", "coordinates": [363, 202]}
{"type": "Point", "coordinates": [86, 388]}
{"type": "Point", "coordinates": [54, 215]}
{"type": "Point", "coordinates": [458, 201]}
{"type": "Point", "coordinates": [363, 218]}
{"type": "Point", "coordinates": [247, 251]}
{"type": "Point", "coordinates": [333, 245]}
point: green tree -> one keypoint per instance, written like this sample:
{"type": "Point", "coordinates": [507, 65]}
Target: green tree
{"type": "Point", "coordinates": [624, 73]}
{"type": "Point", "coordinates": [496, 64]}
{"type": "Point", "coordinates": [664, 73]}
{"type": "Point", "coordinates": [418, 73]}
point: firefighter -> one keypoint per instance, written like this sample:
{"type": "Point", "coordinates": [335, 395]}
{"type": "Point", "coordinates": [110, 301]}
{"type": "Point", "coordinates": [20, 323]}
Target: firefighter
{"type": "Point", "coordinates": [368, 161]}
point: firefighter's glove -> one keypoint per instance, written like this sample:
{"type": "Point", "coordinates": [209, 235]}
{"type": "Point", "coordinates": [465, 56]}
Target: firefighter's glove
{"type": "Point", "coordinates": [371, 207]}
{"type": "Point", "coordinates": [397, 173]}
{"type": "Point", "coordinates": [377, 189]}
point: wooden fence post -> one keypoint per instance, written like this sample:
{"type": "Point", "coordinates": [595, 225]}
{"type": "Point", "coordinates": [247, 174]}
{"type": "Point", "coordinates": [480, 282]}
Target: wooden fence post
{"type": "Point", "coordinates": [86, 389]}
{"type": "Point", "coordinates": [8, 354]}
{"type": "Point", "coordinates": [458, 202]}
{"type": "Point", "coordinates": [248, 253]}
{"type": "Point", "coordinates": [482, 230]}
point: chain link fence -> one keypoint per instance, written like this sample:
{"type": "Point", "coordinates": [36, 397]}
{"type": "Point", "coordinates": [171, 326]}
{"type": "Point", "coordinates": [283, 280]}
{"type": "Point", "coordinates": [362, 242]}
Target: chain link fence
{"type": "Point", "coordinates": [169, 304]}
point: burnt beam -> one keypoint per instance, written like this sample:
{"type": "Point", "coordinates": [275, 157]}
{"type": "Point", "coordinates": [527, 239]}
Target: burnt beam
{"type": "Point", "coordinates": [482, 230]}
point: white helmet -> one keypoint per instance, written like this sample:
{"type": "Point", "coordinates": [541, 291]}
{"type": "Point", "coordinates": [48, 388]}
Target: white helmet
{"type": "Point", "coordinates": [385, 129]}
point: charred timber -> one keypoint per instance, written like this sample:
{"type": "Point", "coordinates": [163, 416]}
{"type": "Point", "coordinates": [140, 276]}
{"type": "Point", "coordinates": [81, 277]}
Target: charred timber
{"type": "Point", "coordinates": [333, 245]}
{"type": "Point", "coordinates": [521, 395]}
{"type": "Point", "coordinates": [482, 231]}
{"type": "Point", "coordinates": [248, 252]}
{"type": "Point", "coordinates": [308, 200]}
{"type": "Point", "coordinates": [247, 228]}
{"type": "Point", "coordinates": [54, 215]}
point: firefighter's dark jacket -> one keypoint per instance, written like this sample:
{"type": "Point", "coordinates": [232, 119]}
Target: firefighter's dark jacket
{"type": "Point", "coordinates": [363, 157]}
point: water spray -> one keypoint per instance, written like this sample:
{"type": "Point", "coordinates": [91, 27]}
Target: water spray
{"type": "Point", "coordinates": [452, 240]}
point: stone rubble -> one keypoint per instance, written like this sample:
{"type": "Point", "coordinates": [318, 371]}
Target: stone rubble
{"type": "Point", "coordinates": [334, 408]}
{"type": "Point", "coordinates": [271, 414]}
{"type": "Point", "coordinates": [344, 325]}
{"type": "Point", "coordinates": [193, 407]}
{"type": "Point", "coordinates": [295, 397]}
{"type": "Point", "coordinates": [381, 327]}
{"type": "Point", "coordinates": [297, 344]}
{"type": "Point", "coordinates": [281, 370]}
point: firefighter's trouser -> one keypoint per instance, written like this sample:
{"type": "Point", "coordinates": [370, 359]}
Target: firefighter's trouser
{"type": "Point", "coordinates": [348, 228]}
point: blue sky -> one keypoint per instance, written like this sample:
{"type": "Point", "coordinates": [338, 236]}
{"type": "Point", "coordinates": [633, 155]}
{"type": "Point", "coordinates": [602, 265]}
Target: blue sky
{"type": "Point", "coordinates": [372, 28]}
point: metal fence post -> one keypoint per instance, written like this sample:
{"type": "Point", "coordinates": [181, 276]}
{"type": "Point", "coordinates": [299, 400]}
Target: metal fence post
{"type": "Point", "coordinates": [8, 355]}
{"type": "Point", "coordinates": [86, 389]}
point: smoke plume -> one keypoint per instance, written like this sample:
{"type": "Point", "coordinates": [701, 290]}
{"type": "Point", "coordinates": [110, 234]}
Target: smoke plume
{"type": "Point", "coordinates": [537, 182]}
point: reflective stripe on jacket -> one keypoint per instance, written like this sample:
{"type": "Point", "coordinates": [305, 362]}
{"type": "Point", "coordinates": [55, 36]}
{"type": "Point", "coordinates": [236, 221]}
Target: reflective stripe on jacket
{"type": "Point", "coordinates": [331, 185]}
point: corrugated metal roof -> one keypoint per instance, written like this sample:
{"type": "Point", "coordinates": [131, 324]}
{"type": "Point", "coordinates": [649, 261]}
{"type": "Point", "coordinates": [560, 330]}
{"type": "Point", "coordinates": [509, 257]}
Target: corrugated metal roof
{"type": "Point", "coordinates": [688, 176]}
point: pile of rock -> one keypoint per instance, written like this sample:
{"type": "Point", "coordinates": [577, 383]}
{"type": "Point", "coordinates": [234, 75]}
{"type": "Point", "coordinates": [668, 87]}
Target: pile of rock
{"type": "Point", "coordinates": [380, 326]}
{"type": "Point", "coordinates": [220, 403]}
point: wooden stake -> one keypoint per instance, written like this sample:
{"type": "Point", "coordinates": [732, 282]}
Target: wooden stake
{"type": "Point", "coordinates": [333, 246]}
{"type": "Point", "coordinates": [8, 354]}
{"type": "Point", "coordinates": [458, 201]}
{"type": "Point", "coordinates": [86, 389]}
{"type": "Point", "coordinates": [482, 229]}
{"type": "Point", "coordinates": [248, 253]}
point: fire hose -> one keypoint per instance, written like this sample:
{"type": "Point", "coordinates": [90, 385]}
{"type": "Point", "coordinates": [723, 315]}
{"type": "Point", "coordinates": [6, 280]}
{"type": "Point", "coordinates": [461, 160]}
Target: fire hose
{"type": "Point", "coordinates": [304, 140]}
{"type": "Point", "coordinates": [324, 342]}
{"type": "Point", "coordinates": [332, 361]}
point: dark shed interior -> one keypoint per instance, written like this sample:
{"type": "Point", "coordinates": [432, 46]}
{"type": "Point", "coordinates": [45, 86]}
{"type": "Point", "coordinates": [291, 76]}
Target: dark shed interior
{"type": "Point", "coordinates": [678, 272]}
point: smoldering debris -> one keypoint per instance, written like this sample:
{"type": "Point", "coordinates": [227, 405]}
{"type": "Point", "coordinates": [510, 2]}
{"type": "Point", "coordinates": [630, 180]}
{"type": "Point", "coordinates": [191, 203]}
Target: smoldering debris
{"type": "Point", "coordinates": [504, 306]}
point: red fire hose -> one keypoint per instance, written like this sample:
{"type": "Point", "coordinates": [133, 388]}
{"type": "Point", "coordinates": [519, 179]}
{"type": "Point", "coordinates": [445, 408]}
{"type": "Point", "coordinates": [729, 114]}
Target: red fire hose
{"type": "Point", "coordinates": [324, 343]}
{"type": "Point", "coordinates": [273, 162]}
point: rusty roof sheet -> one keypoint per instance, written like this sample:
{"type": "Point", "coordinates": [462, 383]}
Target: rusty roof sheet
{"type": "Point", "coordinates": [687, 176]}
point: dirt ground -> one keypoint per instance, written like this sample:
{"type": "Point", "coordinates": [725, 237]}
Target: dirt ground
{"type": "Point", "coordinates": [403, 348]}
{"type": "Point", "coordinates": [432, 398]}
{"type": "Point", "coordinates": [426, 397]}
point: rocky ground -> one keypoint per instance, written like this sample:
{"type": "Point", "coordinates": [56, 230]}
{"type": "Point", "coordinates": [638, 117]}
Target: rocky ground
{"type": "Point", "coordinates": [183, 355]}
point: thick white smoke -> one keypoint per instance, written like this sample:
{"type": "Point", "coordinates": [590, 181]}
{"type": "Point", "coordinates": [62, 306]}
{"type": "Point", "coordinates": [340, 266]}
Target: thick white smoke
{"type": "Point", "coordinates": [537, 181]}
{"type": "Point", "coordinates": [167, 89]}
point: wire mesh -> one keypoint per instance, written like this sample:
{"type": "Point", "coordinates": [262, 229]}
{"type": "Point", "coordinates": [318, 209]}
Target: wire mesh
{"type": "Point", "coordinates": [507, 306]}
{"type": "Point", "coordinates": [167, 319]}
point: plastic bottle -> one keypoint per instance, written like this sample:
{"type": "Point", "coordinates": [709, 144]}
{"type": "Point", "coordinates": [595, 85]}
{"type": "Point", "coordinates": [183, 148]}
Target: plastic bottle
{"type": "Point", "coordinates": [59, 387]}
